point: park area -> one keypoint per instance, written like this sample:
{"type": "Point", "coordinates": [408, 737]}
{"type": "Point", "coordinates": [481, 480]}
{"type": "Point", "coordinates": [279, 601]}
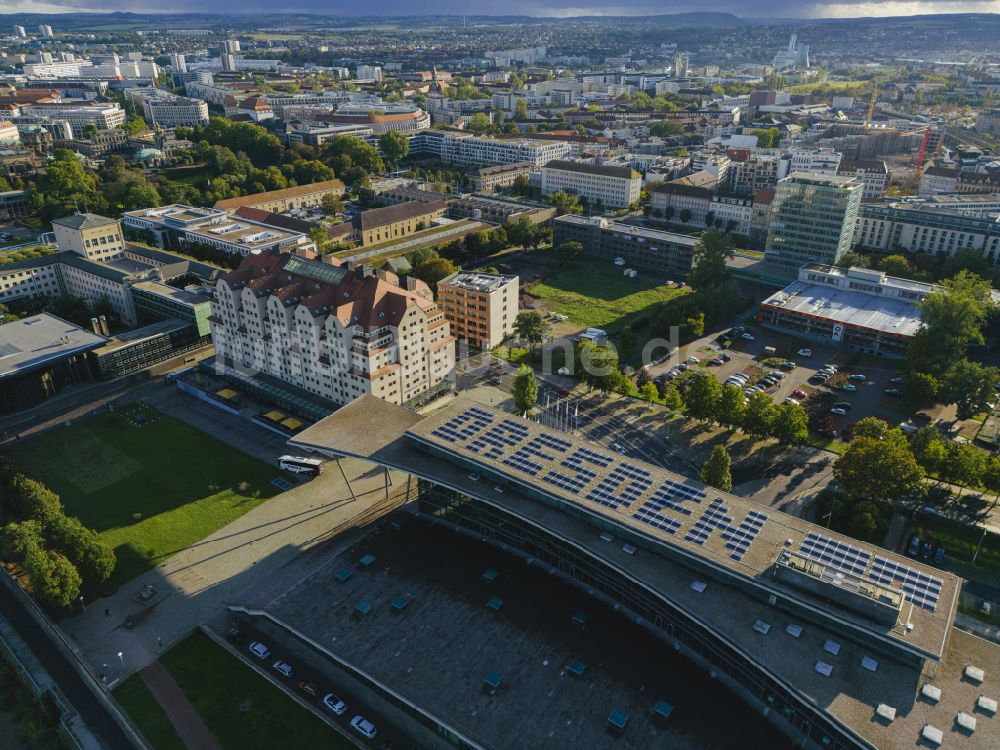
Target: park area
{"type": "Point", "coordinates": [596, 294]}
{"type": "Point", "coordinates": [149, 484]}
{"type": "Point", "coordinates": [238, 706]}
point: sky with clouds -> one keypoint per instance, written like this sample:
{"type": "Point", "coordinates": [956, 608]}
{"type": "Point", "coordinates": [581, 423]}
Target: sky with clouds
{"type": "Point", "coordinates": [555, 8]}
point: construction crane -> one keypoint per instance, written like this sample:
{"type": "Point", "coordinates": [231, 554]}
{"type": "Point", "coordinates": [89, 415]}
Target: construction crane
{"type": "Point", "coordinates": [871, 108]}
{"type": "Point", "coordinates": [922, 153]}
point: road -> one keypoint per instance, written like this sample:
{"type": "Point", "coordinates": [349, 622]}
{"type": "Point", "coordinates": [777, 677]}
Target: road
{"type": "Point", "coordinates": [309, 666]}
{"type": "Point", "coordinates": [90, 708]}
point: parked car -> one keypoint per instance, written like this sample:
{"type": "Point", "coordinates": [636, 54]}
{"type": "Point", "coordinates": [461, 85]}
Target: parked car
{"type": "Point", "coordinates": [283, 668]}
{"type": "Point", "coordinates": [789, 365]}
{"type": "Point", "coordinates": [799, 393]}
{"type": "Point", "coordinates": [777, 375]}
{"type": "Point", "coordinates": [896, 381]}
{"type": "Point", "coordinates": [817, 377]}
{"type": "Point", "coordinates": [926, 551]}
{"type": "Point", "coordinates": [618, 448]}
{"type": "Point", "coordinates": [790, 400]}
{"type": "Point", "coordinates": [908, 427]}
{"type": "Point", "coordinates": [848, 388]}
{"type": "Point", "coordinates": [726, 356]}
{"type": "Point", "coordinates": [939, 556]}
{"type": "Point", "coordinates": [830, 366]}
{"type": "Point", "coordinates": [893, 392]}
{"type": "Point", "coordinates": [235, 635]}
{"type": "Point", "coordinates": [259, 650]}
{"type": "Point", "coordinates": [715, 362]}
{"type": "Point", "coordinates": [747, 336]}
{"type": "Point", "coordinates": [683, 367]}
{"type": "Point", "coordinates": [334, 703]}
{"type": "Point", "coordinates": [838, 411]}
{"type": "Point", "coordinates": [693, 360]}
{"type": "Point", "coordinates": [805, 352]}
{"type": "Point", "coordinates": [309, 688]}
{"type": "Point", "coordinates": [845, 405]}
{"type": "Point", "coordinates": [858, 378]}
{"type": "Point", "coordinates": [914, 546]}
{"type": "Point", "coordinates": [986, 608]}
{"type": "Point", "coordinates": [363, 727]}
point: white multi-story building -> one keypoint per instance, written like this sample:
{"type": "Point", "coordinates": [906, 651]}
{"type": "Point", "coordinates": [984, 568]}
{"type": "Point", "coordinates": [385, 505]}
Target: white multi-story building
{"type": "Point", "coordinates": [612, 187]}
{"type": "Point", "coordinates": [936, 180]}
{"type": "Point", "coordinates": [45, 30]}
{"type": "Point", "coordinates": [178, 62]}
{"type": "Point", "coordinates": [56, 69]}
{"type": "Point", "coordinates": [9, 134]}
{"type": "Point", "coordinates": [814, 161]}
{"type": "Point", "coordinates": [927, 228]}
{"type": "Point", "coordinates": [872, 172]}
{"type": "Point", "coordinates": [165, 110]}
{"type": "Point", "coordinates": [504, 58]}
{"type": "Point", "coordinates": [334, 332]}
{"type": "Point", "coordinates": [79, 116]}
{"type": "Point", "coordinates": [369, 73]}
{"type": "Point", "coordinates": [474, 151]}
{"type": "Point", "coordinates": [238, 236]}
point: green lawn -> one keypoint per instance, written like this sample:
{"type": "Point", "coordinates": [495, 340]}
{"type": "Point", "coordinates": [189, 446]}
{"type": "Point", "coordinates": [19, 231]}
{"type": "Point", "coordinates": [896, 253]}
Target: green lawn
{"type": "Point", "coordinates": [241, 708]}
{"type": "Point", "coordinates": [150, 490]}
{"type": "Point", "coordinates": [960, 541]}
{"type": "Point", "coordinates": [147, 714]}
{"type": "Point", "coordinates": [193, 175]}
{"type": "Point", "coordinates": [597, 294]}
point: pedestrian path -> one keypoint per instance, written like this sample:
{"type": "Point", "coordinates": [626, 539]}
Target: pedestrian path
{"type": "Point", "coordinates": [191, 729]}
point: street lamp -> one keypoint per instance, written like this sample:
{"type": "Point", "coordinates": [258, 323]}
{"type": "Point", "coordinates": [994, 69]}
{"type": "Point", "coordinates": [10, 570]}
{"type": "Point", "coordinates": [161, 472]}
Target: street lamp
{"type": "Point", "coordinates": [121, 658]}
{"type": "Point", "coordinates": [983, 537]}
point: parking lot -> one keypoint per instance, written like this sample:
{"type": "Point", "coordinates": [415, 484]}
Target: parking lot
{"type": "Point", "coordinates": [756, 352]}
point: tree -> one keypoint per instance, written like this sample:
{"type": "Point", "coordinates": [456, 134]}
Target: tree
{"type": "Point", "coordinates": [65, 187]}
{"type": "Point", "coordinates": [758, 421]}
{"type": "Point", "coordinates": [597, 366]}
{"type": "Point", "coordinates": [791, 424]}
{"type": "Point", "coordinates": [53, 578]}
{"type": "Point", "coordinates": [331, 204]}
{"type": "Point", "coordinates": [565, 203]}
{"type": "Point", "coordinates": [685, 215]}
{"type": "Point", "coordinates": [853, 260]}
{"type": "Point", "coordinates": [672, 399]}
{"type": "Point", "coordinates": [732, 406]}
{"type": "Point", "coordinates": [648, 391]}
{"type": "Point", "coordinates": [878, 469]}
{"type": "Point", "coordinates": [531, 327]}
{"type": "Point", "coordinates": [991, 477]}
{"type": "Point", "coordinates": [479, 123]}
{"type": "Point", "coordinates": [716, 471]}
{"type": "Point", "coordinates": [25, 499]}
{"type": "Point", "coordinates": [625, 340]}
{"type": "Point", "coordinates": [899, 265]}
{"type": "Point", "coordinates": [702, 396]}
{"type": "Point", "coordinates": [346, 151]}
{"type": "Point", "coordinates": [928, 448]}
{"type": "Point", "coordinates": [525, 390]}
{"type": "Point", "coordinates": [569, 252]}
{"type": "Point", "coordinates": [521, 109]}
{"type": "Point", "coordinates": [135, 126]}
{"type": "Point", "coordinates": [523, 233]}
{"type": "Point", "coordinates": [920, 387]}
{"type": "Point", "coordinates": [965, 465]}
{"type": "Point", "coordinates": [970, 386]}
{"type": "Point", "coordinates": [710, 255]}
{"type": "Point", "coordinates": [94, 559]}
{"type": "Point", "coordinates": [434, 270]}
{"type": "Point", "coordinates": [16, 539]}
{"type": "Point", "coordinates": [395, 146]}
{"type": "Point", "coordinates": [949, 321]}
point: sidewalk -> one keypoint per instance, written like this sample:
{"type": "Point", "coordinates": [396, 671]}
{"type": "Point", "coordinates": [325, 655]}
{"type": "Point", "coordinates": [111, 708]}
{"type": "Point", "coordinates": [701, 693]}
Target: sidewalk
{"type": "Point", "coordinates": [180, 712]}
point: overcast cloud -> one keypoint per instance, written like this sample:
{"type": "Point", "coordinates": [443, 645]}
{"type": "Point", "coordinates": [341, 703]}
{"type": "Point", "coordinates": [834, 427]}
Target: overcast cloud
{"type": "Point", "coordinates": [554, 8]}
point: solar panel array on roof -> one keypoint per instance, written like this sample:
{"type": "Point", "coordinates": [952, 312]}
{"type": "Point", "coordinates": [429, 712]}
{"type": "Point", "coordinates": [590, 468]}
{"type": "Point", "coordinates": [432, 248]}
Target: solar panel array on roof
{"type": "Point", "coordinates": [740, 538]}
{"type": "Point", "coordinates": [508, 432]}
{"type": "Point", "coordinates": [673, 495]}
{"type": "Point", "coordinates": [464, 426]}
{"type": "Point", "coordinates": [715, 517]}
{"type": "Point", "coordinates": [920, 589]}
{"type": "Point", "coordinates": [835, 554]}
{"type": "Point", "coordinates": [623, 486]}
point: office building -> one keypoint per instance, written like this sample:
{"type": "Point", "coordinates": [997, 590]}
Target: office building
{"type": "Point", "coordinates": [488, 179]}
{"type": "Point", "coordinates": [166, 226]}
{"type": "Point", "coordinates": [19, 32]}
{"type": "Point", "coordinates": [239, 236]}
{"type": "Point", "coordinates": [40, 355]}
{"type": "Point", "coordinates": [46, 31]}
{"type": "Point", "coordinates": [475, 151]}
{"type": "Point", "coordinates": [685, 201]}
{"type": "Point", "coordinates": [607, 186]}
{"type": "Point", "coordinates": [89, 235]}
{"type": "Point", "coordinates": [813, 218]}
{"type": "Point", "coordinates": [334, 332]}
{"type": "Point", "coordinates": [872, 172]}
{"type": "Point", "coordinates": [930, 227]}
{"type": "Point", "coordinates": [480, 307]}
{"type": "Point", "coordinates": [858, 308]}
{"type": "Point", "coordinates": [627, 245]}
{"type": "Point", "coordinates": [161, 109]}
{"type": "Point", "coordinates": [389, 223]}
{"type": "Point", "coordinates": [681, 62]}
{"type": "Point", "coordinates": [80, 115]}
{"type": "Point", "coordinates": [369, 73]}
{"type": "Point", "coordinates": [178, 63]}
{"type": "Point", "coordinates": [280, 201]}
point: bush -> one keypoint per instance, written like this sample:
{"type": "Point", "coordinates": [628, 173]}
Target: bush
{"type": "Point", "coordinates": [26, 499]}
{"type": "Point", "coordinates": [94, 559]}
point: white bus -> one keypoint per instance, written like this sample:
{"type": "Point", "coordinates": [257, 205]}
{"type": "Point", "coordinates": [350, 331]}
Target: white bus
{"type": "Point", "coordinates": [301, 465]}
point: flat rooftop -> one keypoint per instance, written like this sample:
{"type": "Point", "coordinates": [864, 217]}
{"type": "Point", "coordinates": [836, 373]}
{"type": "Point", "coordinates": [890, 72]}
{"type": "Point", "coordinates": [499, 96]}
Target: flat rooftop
{"type": "Point", "coordinates": [372, 429]}
{"type": "Point", "coordinates": [177, 212]}
{"type": "Point", "coordinates": [36, 341]}
{"type": "Point", "coordinates": [477, 282]}
{"type": "Point", "coordinates": [728, 533]}
{"type": "Point", "coordinates": [242, 232]}
{"type": "Point", "coordinates": [893, 315]}
{"type": "Point", "coordinates": [530, 642]}
{"type": "Point", "coordinates": [182, 296]}
{"type": "Point", "coordinates": [630, 229]}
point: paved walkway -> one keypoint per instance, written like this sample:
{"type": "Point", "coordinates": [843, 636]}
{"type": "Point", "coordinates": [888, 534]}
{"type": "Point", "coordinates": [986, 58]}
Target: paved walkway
{"type": "Point", "coordinates": [194, 585]}
{"type": "Point", "coordinates": [180, 712]}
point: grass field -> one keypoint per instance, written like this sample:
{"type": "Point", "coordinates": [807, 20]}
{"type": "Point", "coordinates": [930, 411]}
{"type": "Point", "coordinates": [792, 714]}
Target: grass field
{"type": "Point", "coordinates": [598, 295]}
{"type": "Point", "coordinates": [240, 707]}
{"type": "Point", "coordinates": [150, 490]}
{"type": "Point", "coordinates": [193, 175]}
{"type": "Point", "coordinates": [148, 714]}
{"type": "Point", "coordinates": [960, 541]}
